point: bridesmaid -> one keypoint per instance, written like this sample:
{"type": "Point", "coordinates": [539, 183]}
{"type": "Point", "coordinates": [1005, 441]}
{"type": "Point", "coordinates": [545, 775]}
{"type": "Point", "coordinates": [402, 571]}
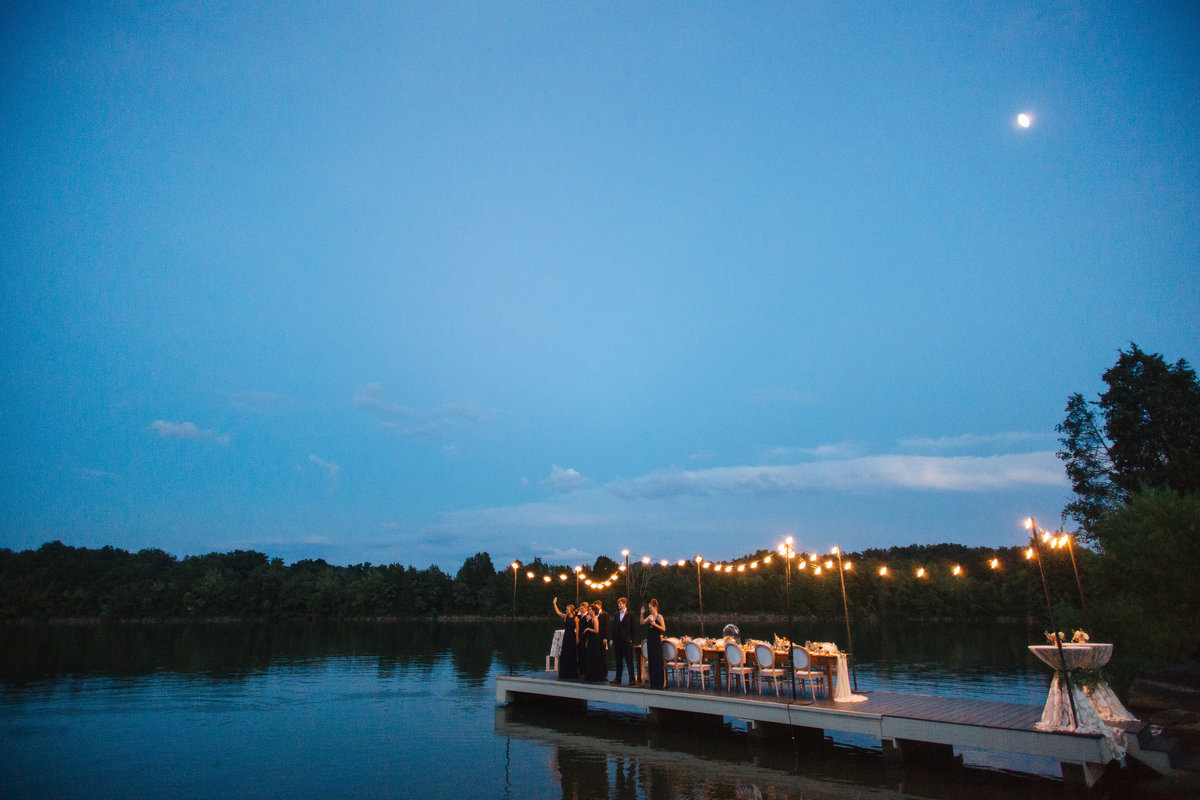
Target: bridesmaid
{"type": "Point", "coordinates": [656, 626]}
{"type": "Point", "coordinates": [568, 660]}
{"type": "Point", "coordinates": [595, 669]}
{"type": "Point", "coordinates": [584, 651]}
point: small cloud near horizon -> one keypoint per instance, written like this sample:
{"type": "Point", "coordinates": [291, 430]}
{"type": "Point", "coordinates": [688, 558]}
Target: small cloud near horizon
{"type": "Point", "coordinates": [187, 431]}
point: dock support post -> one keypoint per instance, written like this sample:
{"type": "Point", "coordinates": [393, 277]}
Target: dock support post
{"type": "Point", "coordinates": [910, 751]}
{"type": "Point", "coordinates": [1085, 774]}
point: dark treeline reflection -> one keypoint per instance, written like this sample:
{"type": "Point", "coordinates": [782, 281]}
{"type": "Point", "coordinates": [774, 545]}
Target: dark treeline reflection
{"type": "Point", "coordinates": [225, 651]}
{"type": "Point", "coordinates": [236, 650]}
{"type": "Point", "coordinates": [606, 754]}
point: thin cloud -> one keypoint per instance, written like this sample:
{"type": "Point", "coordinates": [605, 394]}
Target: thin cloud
{"type": "Point", "coordinates": [371, 397]}
{"type": "Point", "coordinates": [188, 431]}
{"type": "Point", "coordinates": [412, 423]}
{"type": "Point", "coordinates": [969, 440]}
{"type": "Point", "coordinates": [838, 450]}
{"type": "Point", "coordinates": [331, 470]}
{"type": "Point", "coordinates": [917, 473]}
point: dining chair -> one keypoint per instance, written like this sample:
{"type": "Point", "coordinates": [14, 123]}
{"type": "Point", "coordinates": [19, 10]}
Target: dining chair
{"type": "Point", "coordinates": [736, 666]}
{"type": "Point", "coordinates": [764, 654]}
{"type": "Point", "coordinates": [645, 660]}
{"type": "Point", "coordinates": [671, 662]}
{"type": "Point", "coordinates": [802, 665]}
{"type": "Point", "coordinates": [695, 663]}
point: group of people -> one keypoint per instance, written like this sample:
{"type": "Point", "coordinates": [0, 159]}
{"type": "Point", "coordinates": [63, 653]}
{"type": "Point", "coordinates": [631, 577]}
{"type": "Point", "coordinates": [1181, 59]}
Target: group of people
{"type": "Point", "coordinates": [587, 632]}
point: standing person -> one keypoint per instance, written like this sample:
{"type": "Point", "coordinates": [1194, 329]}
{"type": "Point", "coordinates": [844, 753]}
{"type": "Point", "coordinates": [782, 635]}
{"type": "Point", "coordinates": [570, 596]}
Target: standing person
{"type": "Point", "coordinates": [595, 671]}
{"type": "Point", "coordinates": [568, 660]}
{"type": "Point", "coordinates": [622, 636]}
{"type": "Point", "coordinates": [584, 651]}
{"type": "Point", "coordinates": [605, 634]}
{"type": "Point", "coordinates": [656, 626]}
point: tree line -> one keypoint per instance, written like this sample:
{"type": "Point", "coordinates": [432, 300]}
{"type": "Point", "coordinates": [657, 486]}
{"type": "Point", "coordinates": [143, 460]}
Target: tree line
{"type": "Point", "coordinates": [57, 581]}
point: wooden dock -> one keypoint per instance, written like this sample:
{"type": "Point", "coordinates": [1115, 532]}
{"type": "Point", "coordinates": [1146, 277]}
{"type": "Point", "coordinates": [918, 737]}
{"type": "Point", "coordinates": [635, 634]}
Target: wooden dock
{"type": "Point", "coordinates": [906, 725]}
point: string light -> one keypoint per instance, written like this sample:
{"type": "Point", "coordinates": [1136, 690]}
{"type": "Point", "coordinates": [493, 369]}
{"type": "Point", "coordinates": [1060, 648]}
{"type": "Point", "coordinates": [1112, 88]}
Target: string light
{"type": "Point", "coordinates": [802, 559]}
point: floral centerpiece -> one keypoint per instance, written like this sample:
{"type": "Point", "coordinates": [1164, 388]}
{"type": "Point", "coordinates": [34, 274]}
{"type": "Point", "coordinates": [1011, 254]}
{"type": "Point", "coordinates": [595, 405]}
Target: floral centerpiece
{"type": "Point", "coordinates": [1081, 637]}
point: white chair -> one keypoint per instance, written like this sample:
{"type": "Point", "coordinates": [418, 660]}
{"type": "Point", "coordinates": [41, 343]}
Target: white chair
{"type": "Point", "coordinates": [695, 663]}
{"type": "Point", "coordinates": [802, 665]}
{"type": "Point", "coordinates": [555, 651]}
{"type": "Point", "coordinates": [735, 666]}
{"type": "Point", "coordinates": [764, 654]}
{"type": "Point", "coordinates": [674, 666]}
{"type": "Point", "coordinates": [645, 661]}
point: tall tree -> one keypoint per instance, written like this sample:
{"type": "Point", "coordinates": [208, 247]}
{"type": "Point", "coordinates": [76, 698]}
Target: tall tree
{"type": "Point", "coordinates": [1149, 437]}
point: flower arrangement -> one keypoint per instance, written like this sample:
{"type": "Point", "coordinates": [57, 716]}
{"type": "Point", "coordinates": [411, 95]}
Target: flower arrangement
{"type": "Point", "coordinates": [1080, 637]}
{"type": "Point", "coordinates": [1055, 638]}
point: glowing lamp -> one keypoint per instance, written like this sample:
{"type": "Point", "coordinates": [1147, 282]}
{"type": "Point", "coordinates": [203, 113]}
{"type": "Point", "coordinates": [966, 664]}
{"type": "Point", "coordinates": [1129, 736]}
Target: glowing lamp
{"type": "Point", "coordinates": [883, 572]}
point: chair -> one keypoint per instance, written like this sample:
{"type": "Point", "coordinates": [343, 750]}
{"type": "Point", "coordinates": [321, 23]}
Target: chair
{"type": "Point", "coordinates": [645, 661]}
{"type": "Point", "coordinates": [764, 654]}
{"type": "Point", "coordinates": [671, 661]}
{"type": "Point", "coordinates": [802, 665]}
{"type": "Point", "coordinates": [555, 651]}
{"type": "Point", "coordinates": [736, 667]}
{"type": "Point", "coordinates": [695, 663]}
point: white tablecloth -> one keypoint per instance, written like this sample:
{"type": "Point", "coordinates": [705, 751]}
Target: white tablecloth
{"type": "Point", "coordinates": [841, 688]}
{"type": "Point", "coordinates": [1096, 705]}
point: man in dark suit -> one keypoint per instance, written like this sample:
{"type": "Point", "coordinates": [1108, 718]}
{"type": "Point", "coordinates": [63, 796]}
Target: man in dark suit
{"type": "Point", "coordinates": [622, 636]}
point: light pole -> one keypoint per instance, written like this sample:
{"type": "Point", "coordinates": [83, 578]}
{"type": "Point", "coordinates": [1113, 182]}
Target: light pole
{"type": "Point", "coordinates": [1062, 660]}
{"type": "Point", "coordinates": [846, 611]}
{"type": "Point", "coordinates": [787, 552]}
{"type": "Point", "coordinates": [516, 565]}
{"type": "Point", "coordinates": [625, 553]}
{"type": "Point", "coordinates": [700, 593]}
{"type": "Point", "coordinates": [578, 569]}
{"type": "Point", "coordinates": [1082, 602]}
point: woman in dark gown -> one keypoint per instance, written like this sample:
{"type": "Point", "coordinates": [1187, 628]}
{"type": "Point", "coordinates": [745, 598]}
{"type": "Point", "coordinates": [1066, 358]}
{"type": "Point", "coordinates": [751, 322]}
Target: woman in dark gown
{"type": "Point", "coordinates": [656, 626]}
{"type": "Point", "coordinates": [595, 669]}
{"type": "Point", "coordinates": [568, 658]}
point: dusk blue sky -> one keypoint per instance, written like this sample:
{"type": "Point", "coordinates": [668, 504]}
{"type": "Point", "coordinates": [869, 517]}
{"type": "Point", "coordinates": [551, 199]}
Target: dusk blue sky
{"type": "Point", "coordinates": [403, 282]}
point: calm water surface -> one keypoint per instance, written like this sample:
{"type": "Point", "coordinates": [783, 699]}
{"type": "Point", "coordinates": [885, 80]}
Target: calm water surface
{"type": "Point", "coordinates": [408, 710]}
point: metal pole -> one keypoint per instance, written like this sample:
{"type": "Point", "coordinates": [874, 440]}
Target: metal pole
{"type": "Point", "coordinates": [1071, 549]}
{"type": "Point", "coordinates": [791, 633]}
{"type": "Point", "coordinates": [1062, 660]}
{"type": "Point", "coordinates": [700, 595]}
{"type": "Point", "coordinates": [846, 611]}
{"type": "Point", "coordinates": [626, 554]}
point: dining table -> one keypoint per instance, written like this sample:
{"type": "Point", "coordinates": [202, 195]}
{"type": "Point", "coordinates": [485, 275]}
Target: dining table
{"type": "Point", "coordinates": [835, 664]}
{"type": "Point", "coordinates": [1097, 709]}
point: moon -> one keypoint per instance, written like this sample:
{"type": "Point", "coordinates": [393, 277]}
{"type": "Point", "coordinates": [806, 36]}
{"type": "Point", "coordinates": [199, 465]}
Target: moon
{"type": "Point", "coordinates": [1024, 119]}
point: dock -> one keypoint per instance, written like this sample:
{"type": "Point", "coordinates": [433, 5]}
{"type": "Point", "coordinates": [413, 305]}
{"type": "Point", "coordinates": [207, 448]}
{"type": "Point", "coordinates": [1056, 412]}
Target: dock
{"type": "Point", "coordinates": [906, 725]}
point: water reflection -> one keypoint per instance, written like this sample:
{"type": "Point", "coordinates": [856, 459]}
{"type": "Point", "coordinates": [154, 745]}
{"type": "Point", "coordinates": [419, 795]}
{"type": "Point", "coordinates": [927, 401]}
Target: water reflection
{"type": "Point", "coordinates": [605, 754]}
{"type": "Point", "coordinates": [347, 709]}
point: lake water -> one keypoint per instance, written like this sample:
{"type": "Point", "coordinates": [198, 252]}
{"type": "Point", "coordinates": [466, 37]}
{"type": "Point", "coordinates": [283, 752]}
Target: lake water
{"type": "Point", "coordinates": [408, 710]}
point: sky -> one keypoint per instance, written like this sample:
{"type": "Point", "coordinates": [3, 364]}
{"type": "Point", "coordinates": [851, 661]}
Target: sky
{"type": "Point", "coordinates": [404, 282]}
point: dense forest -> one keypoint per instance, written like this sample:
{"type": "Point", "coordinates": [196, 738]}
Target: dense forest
{"type": "Point", "coordinates": [57, 581]}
